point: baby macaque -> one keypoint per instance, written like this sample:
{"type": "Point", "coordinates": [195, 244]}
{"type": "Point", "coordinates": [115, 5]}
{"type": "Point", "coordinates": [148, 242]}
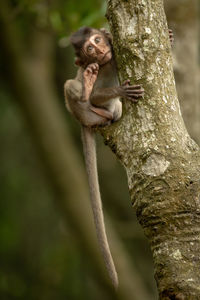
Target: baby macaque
{"type": "Point", "coordinates": [93, 97]}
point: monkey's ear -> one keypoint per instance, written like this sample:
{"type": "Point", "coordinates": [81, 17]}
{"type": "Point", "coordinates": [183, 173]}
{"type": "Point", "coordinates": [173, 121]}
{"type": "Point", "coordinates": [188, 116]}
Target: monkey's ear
{"type": "Point", "coordinates": [107, 34]}
{"type": "Point", "coordinates": [78, 61]}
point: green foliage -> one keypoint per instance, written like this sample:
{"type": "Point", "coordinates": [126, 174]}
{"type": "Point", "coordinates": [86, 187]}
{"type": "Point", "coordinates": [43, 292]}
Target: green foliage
{"type": "Point", "coordinates": [62, 16]}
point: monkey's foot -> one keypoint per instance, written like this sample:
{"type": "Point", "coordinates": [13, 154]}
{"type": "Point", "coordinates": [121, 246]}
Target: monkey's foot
{"type": "Point", "coordinates": [89, 77]}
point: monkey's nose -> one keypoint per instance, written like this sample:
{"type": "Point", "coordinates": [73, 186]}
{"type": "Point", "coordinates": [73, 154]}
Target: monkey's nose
{"type": "Point", "coordinates": [100, 51]}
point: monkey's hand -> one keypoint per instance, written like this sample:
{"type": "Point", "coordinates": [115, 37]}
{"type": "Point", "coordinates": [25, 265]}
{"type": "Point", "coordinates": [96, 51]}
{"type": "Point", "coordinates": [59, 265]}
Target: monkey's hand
{"type": "Point", "coordinates": [171, 36]}
{"type": "Point", "coordinates": [131, 92]}
{"type": "Point", "coordinates": [89, 77]}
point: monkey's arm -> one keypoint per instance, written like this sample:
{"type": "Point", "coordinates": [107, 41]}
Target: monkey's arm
{"type": "Point", "coordinates": [130, 92]}
{"type": "Point", "coordinates": [101, 95]}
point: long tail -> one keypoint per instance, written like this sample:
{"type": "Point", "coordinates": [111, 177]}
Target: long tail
{"type": "Point", "coordinates": [89, 148]}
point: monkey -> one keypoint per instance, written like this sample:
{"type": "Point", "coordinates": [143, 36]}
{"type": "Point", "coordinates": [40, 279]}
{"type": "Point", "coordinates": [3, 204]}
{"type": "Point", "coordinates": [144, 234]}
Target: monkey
{"type": "Point", "coordinates": [93, 97]}
{"type": "Point", "coordinates": [95, 92]}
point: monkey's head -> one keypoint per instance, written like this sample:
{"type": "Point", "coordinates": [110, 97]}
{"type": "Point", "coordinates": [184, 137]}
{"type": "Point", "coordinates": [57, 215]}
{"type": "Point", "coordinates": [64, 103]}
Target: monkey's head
{"type": "Point", "coordinates": [92, 46]}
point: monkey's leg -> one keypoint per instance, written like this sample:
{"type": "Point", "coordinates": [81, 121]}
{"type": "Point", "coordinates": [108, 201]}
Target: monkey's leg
{"type": "Point", "coordinates": [89, 77]}
{"type": "Point", "coordinates": [102, 112]}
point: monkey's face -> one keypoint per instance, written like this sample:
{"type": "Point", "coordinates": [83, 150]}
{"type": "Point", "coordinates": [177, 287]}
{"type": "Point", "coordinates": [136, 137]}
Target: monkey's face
{"type": "Point", "coordinates": [97, 49]}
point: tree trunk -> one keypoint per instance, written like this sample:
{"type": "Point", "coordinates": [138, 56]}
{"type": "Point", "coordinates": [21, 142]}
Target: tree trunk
{"type": "Point", "coordinates": [183, 18]}
{"type": "Point", "coordinates": [151, 141]}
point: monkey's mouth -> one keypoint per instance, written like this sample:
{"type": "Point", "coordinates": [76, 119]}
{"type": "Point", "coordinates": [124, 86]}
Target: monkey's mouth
{"type": "Point", "coordinates": [106, 54]}
{"type": "Point", "coordinates": [105, 58]}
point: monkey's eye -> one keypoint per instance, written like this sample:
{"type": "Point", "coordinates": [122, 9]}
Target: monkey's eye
{"type": "Point", "coordinates": [90, 48]}
{"type": "Point", "coordinates": [97, 40]}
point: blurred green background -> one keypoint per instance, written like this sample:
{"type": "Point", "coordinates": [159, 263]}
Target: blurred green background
{"type": "Point", "coordinates": [40, 253]}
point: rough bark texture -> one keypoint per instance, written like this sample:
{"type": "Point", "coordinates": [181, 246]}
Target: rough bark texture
{"type": "Point", "coordinates": [151, 141]}
{"type": "Point", "coordinates": [183, 18]}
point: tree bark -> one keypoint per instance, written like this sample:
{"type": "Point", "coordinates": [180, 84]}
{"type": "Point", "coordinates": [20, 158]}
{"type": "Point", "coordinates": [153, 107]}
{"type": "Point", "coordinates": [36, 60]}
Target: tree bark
{"type": "Point", "coordinates": [151, 141]}
{"type": "Point", "coordinates": [183, 18]}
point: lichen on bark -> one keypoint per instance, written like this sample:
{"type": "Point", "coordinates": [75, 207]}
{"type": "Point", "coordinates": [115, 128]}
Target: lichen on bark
{"type": "Point", "coordinates": [161, 160]}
